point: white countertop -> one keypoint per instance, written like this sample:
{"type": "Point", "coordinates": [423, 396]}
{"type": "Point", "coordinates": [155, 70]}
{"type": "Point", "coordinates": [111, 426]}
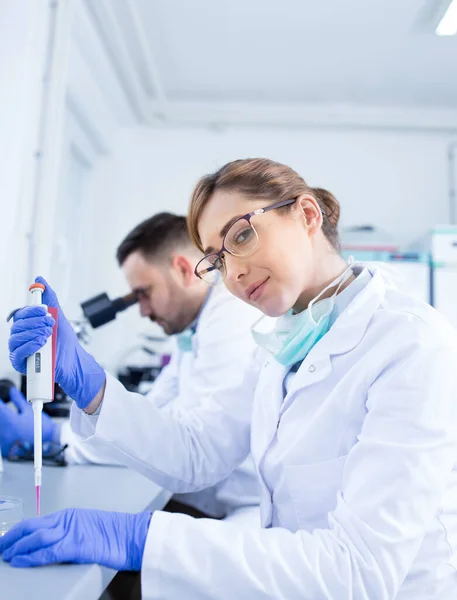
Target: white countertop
{"type": "Point", "coordinates": [88, 486]}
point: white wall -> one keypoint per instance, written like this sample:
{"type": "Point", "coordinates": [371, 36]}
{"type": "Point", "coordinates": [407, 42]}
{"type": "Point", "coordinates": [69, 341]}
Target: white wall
{"type": "Point", "coordinates": [51, 106]}
{"type": "Point", "coordinates": [24, 28]}
{"type": "Point", "coordinates": [397, 181]}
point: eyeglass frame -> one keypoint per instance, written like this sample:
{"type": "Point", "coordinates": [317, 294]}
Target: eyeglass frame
{"type": "Point", "coordinates": [247, 217]}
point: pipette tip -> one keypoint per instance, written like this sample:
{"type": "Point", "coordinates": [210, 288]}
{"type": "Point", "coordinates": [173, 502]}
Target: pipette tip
{"type": "Point", "coordinates": [38, 499]}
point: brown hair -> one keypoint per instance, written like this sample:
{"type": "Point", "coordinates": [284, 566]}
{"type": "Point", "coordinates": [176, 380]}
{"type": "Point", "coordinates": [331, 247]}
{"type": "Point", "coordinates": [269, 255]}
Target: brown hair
{"type": "Point", "coordinates": [261, 178]}
{"type": "Point", "coordinates": [155, 237]}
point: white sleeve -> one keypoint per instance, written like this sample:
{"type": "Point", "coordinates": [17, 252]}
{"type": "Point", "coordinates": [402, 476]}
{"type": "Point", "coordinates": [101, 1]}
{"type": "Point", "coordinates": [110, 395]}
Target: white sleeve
{"type": "Point", "coordinates": [80, 452]}
{"type": "Point", "coordinates": [182, 451]}
{"type": "Point", "coordinates": [191, 446]}
{"type": "Point", "coordinates": [394, 480]}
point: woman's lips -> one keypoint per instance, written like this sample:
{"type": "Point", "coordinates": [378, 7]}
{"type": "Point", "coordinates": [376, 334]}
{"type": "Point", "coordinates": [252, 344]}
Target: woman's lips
{"type": "Point", "coordinates": [258, 290]}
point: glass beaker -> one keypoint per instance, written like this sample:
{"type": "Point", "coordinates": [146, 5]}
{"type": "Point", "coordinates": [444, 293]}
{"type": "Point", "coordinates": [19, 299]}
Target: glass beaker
{"type": "Point", "coordinates": [10, 512]}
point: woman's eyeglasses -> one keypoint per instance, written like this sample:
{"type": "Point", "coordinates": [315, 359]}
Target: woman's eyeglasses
{"type": "Point", "coordinates": [240, 239]}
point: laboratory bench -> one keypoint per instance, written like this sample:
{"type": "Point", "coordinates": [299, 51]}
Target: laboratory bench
{"type": "Point", "coordinates": [86, 486]}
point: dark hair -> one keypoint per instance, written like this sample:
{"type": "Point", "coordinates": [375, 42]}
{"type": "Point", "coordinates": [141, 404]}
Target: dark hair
{"type": "Point", "coordinates": [261, 178]}
{"type": "Point", "coordinates": [155, 237]}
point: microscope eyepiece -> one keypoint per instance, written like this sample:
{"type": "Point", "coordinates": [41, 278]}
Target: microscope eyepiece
{"type": "Point", "coordinates": [100, 310]}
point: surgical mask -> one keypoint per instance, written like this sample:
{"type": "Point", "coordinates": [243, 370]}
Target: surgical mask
{"type": "Point", "coordinates": [184, 340]}
{"type": "Point", "coordinates": [294, 335]}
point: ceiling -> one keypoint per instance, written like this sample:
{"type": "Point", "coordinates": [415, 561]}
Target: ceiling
{"type": "Point", "coordinates": [218, 58]}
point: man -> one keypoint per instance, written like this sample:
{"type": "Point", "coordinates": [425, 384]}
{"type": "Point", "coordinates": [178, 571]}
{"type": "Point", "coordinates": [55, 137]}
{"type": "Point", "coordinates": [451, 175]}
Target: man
{"type": "Point", "coordinates": [213, 341]}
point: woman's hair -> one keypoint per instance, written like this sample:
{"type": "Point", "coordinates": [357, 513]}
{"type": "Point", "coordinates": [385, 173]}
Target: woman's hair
{"type": "Point", "coordinates": [261, 178]}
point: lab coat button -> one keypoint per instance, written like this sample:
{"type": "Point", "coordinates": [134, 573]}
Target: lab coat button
{"type": "Point", "coordinates": [311, 368]}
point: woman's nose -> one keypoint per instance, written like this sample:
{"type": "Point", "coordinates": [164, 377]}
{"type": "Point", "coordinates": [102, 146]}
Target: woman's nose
{"type": "Point", "coordinates": [235, 268]}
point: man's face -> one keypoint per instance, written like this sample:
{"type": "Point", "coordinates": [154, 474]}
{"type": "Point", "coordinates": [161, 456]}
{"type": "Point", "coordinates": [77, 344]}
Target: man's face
{"type": "Point", "coordinates": [160, 296]}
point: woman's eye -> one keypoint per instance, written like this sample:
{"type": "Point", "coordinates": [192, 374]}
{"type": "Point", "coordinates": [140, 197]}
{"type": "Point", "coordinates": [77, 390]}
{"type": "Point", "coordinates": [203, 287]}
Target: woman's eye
{"type": "Point", "coordinates": [243, 236]}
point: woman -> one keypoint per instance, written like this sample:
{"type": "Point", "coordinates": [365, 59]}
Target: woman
{"type": "Point", "coordinates": [354, 423]}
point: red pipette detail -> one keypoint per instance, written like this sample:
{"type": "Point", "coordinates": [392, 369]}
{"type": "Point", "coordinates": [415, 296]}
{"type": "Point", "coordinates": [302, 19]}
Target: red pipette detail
{"type": "Point", "coordinates": [38, 499]}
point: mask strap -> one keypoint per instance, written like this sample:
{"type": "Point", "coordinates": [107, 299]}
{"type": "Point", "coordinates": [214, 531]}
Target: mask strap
{"type": "Point", "coordinates": [341, 279]}
{"type": "Point", "coordinates": [344, 277]}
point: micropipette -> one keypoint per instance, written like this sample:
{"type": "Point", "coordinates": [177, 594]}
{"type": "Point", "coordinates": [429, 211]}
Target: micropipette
{"type": "Point", "coordinates": [40, 386]}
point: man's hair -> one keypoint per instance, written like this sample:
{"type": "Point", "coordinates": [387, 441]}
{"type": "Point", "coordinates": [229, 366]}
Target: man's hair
{"type": "Point", "coordinates": [156, 237]}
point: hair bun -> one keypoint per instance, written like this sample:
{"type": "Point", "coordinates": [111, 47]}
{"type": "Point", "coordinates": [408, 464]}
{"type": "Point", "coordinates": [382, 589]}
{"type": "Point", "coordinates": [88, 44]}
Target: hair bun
{"type": "Point", "coordinates": [330, 205]}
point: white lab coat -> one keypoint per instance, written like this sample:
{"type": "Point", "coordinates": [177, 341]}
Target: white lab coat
{"type": "Point", "coordinates": [222, 344]}
{"type": "Point", "coordinates": [356, 466]}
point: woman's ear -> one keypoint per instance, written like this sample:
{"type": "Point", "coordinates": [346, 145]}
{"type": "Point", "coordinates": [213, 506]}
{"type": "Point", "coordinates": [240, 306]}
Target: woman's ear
{"type": "Point", "coordinates": [309, 211]}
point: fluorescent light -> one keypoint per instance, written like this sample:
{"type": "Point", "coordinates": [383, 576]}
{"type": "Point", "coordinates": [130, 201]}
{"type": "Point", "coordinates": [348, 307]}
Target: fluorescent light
{"type": "Point", "coordinates": [448, 24]}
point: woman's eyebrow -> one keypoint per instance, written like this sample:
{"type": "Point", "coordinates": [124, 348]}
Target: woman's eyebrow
{"type": "Point", "coordinates": [223, 231]}
{"type": "Point", "coordinates": [227, 226]}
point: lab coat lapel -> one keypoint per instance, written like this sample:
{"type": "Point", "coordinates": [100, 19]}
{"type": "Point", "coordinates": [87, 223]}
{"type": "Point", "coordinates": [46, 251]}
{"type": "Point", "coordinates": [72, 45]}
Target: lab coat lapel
{"type": "Point", "coordinates": [316, 367]}
{"type": "Point", "coordinates": [267, 404]}
{"type": "Point", "coordinates": [345, 334]}
{"type": "Point", "coordinates": [352, 324]}
{"type": "Point", "coordinates": [268, 400]}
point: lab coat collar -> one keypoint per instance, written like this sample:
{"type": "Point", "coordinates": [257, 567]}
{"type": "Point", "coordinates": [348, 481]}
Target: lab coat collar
{"type": "Point", "coordinates": [193, 326]}
{"type": "Point", "coordinates": [345, 334]}
{"type": "Point", "coordinates": [351, 325]}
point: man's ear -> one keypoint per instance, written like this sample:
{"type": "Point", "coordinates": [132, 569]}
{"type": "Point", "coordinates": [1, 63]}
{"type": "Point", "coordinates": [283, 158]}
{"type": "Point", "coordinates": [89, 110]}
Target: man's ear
{"type": "Point", "coordinates": [183, 268]}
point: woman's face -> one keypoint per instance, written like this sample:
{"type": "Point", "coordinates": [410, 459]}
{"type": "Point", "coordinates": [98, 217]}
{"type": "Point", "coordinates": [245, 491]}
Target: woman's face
{"type": "Point", "coordinates": [275, 274]}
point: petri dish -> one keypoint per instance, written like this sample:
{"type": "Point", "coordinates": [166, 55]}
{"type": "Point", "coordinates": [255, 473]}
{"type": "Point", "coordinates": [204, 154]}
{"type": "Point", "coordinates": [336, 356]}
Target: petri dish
{"type": "Point", "coordinates": [10, 512]}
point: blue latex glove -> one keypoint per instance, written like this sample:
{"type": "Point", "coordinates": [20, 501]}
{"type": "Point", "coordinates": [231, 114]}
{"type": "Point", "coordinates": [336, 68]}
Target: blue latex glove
{"type": "Point", "coordinates": [77, 372]}
{"type": "Point", "coordinates": [19, 425]}
{"type": "Point", "coordinates": [82, 536]}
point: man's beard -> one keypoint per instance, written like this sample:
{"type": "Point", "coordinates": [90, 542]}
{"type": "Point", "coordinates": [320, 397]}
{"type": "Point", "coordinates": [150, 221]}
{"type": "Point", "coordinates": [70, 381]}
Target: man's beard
{"type": "Point", "coordinates": [168, 327]}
